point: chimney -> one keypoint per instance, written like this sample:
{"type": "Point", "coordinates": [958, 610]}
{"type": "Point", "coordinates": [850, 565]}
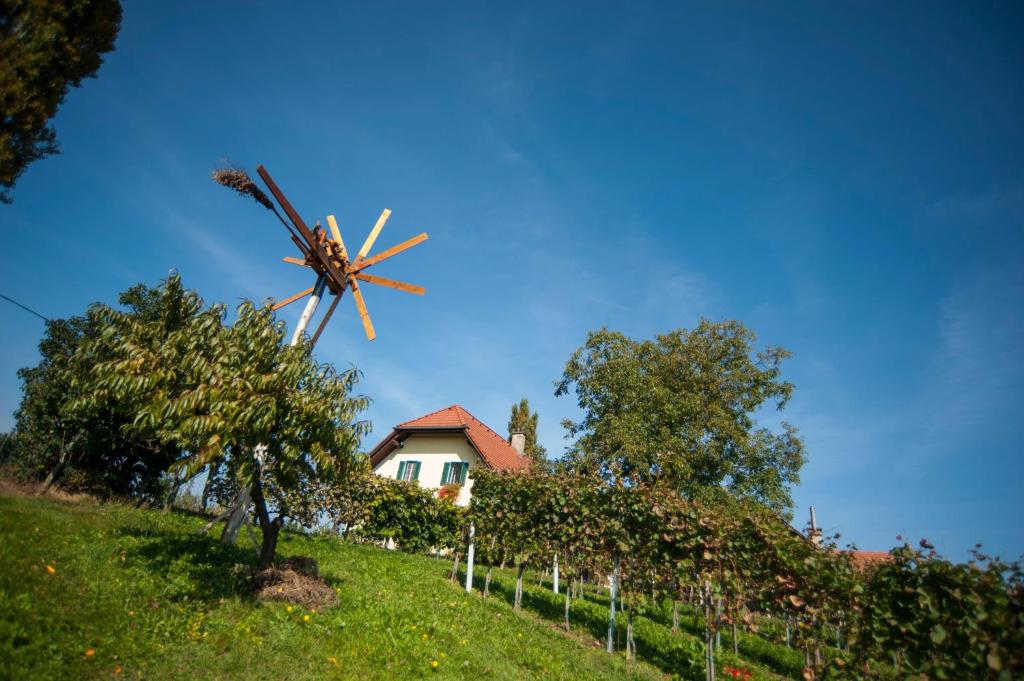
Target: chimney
{"type": "Point", "coordinates": [814, 534]}
{"type": "Point", "coordinates": [518, 442]}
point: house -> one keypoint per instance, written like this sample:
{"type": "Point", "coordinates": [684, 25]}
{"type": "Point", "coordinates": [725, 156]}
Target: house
{"type": "Point", "coordinates": [441, 448]}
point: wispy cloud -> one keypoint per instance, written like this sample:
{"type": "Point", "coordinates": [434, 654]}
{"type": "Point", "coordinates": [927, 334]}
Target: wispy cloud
{"type": "Point", "coordinates": [979, 368]}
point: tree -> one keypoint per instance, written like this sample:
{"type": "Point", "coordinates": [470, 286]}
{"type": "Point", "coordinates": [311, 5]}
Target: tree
{"type": "Point", "coordinates": [522, 421]}
{"type": "Point", "coordinates": [87, 450]}
{"type": "Point", "coordinates": [47, 47]}
{"type": "Point", "coordinates": [679, 409]}
{"type": "Point", "coordinates": [229, 393]}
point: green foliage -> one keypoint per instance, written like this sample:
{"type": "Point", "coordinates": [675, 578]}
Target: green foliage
{"type": "Point", "coordinates": [678, 410]}
{"type": "Point", "coordinates": [227, 393]}
{"type": "Point", "coordinates": [47, 47]}
{"type": "Point", "coordinates": [522, 421]}
{"type": "Point", "coordinates": [942, 620]}
{"type": "Point", "coordinates": [381, 509]}
{"type": "Point", "coordinates": [87, 450]}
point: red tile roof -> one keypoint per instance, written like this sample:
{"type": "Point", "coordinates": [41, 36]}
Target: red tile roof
{"type": "Point", "coordinates": [863, 560]}
{"type": "Point", "coordinates": [495, 451]}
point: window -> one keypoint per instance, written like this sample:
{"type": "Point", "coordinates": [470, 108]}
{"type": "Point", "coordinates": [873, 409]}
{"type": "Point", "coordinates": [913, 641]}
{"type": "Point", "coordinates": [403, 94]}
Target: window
{"type": "Point", "coordinates": [409, 471]}
{"type": "Point", "coordinates": [454, 473]}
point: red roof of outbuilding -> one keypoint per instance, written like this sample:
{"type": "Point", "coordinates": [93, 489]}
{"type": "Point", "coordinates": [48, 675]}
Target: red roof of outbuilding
{"type": "Point", "coordinates": [495, 451]}
{"type": "Point", "coordinates": [867, 559]}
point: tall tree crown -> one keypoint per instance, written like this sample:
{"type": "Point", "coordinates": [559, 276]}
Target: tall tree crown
{"type": "Point", "coordinates": [679, 409]}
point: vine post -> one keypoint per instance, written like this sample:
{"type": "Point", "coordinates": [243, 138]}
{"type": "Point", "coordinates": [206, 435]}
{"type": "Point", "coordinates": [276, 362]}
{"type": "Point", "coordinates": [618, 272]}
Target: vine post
{"type": "Point", "coordinates": [469, 558]}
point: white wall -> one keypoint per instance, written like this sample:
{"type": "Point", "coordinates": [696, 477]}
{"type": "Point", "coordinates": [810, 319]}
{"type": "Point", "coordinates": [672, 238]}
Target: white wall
{"type": "Point", "coordinates": [433, 451]}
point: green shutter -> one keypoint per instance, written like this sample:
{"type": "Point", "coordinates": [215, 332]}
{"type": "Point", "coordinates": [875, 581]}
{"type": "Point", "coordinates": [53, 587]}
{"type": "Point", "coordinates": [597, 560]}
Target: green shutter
{"type": "Point", "coordinates": [416, 471]}
{"type": "Point", "coordinates": [444, 473]}
{"type": "Point", "coordinates": [401, 470]}
{"type": "Point", "coordinates": [462, 474]}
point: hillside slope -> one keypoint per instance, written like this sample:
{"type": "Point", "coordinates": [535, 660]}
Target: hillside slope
{"type": "Point", "coordinates": [150, 598]}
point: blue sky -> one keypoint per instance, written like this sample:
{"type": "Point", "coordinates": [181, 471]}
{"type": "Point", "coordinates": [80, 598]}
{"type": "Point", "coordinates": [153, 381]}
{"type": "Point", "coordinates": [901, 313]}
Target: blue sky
{"type": "Point", "coordinates": [846, 178]}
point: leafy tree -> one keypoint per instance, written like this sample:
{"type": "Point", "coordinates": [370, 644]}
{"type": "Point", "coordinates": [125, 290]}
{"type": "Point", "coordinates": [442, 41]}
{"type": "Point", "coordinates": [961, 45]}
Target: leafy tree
{"type": "Point", "coordinates": [679, 410]}
{"type": "Point", "coordinates": [228, 393]}
{"type": "Point", "coordinates": [47, 47]}
{"type": "Point", "coordinates": [87, 450]}
{"type": "Point", "coordinates": [522, 421]}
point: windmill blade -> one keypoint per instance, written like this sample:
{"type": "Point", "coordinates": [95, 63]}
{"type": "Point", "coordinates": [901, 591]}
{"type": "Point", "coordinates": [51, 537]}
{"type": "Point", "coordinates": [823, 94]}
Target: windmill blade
{"type": "Point", "coordinates": [295, 261]}
{"type": "Point", "coordinates": [364, 314]}
{"type": "Point", "coordinates": [292, 299]}
{"type": "Point", "coordinates": [336, 233]}
{"type": "Point", "coordinates": [394, 250]}
{"type": "Point", "coordinates": [330, 311]}
{"type": "Point", "coordinates": [314, 246]}
{"type": "Point", "coordinates": [391, 283]}
{"type": "Point", "coordinates": [368, 244]}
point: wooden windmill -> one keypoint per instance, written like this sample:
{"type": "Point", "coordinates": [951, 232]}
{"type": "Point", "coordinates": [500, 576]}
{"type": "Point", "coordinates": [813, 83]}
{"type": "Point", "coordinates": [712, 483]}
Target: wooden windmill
{"type": "Point", "coordinates": [324, 254]}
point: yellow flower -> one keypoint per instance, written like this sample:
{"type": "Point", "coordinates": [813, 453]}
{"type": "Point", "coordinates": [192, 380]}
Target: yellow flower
{"type": "Point", "coordinates": [90, 652]}
{"type": "Point", "coordinates": [305, 618]}
{"type": "Point", "coordinates": [131, 613]}
{"type": "Point", "coordinates": [51, 569]}
{"type": "Point", "coordinates": [332, 659]}
{"type": "Point", "coordinates": [290, 608]}
{"type": "Point", "coordinates": [434, 664]}
{"type": "Point", "coordinates": [424, 637]}
{"type": "Point", "coordinates": [280, 589]}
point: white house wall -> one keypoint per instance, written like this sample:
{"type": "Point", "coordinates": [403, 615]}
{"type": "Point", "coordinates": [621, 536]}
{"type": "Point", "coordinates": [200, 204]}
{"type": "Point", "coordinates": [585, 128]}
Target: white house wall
{"type": "Point", "coordinates": [433, 451]}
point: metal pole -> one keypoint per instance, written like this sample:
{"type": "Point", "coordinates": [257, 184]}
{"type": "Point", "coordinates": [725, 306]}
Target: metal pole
{"type": "Point", "coordinates": [469, 559]}
{"type": "Point", "coordinates": [554, 574]}
{"type": "Point", "coordinates": [307, 314]}
{"type": "Point", "coordinates": [613, 589]}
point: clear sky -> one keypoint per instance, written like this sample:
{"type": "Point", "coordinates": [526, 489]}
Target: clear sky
{"type": "Point", "coordinates": [845, 178]}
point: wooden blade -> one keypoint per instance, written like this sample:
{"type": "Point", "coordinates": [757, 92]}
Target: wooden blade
{"type": "Point", "coordinates": [368, 244]}
{"type": "Point", "coordinates": [394, 250]}
{"type": "Point", "coordinates": [314, 245]}
{"type": "Point", "coordinates": [323, 322]}
{"type": "Point", "coordinates": [292, 299]}
{"type": "Point", "coordinates": [364, 314]}
{"type": "Point", "coordinates": [391, 283]}
{"type": "Point", "coordinates": [336, 233]}
{"type": "Point", "coordinates": [295, 261]}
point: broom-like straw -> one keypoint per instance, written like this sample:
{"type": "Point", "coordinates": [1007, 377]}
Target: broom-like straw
{"type": "Point", "coordinates": [239, 181]}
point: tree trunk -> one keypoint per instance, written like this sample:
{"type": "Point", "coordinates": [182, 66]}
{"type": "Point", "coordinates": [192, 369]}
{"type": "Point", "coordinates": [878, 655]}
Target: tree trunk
{"type": "Point", "coordinates": [455, 566]}
{"type": "Point", "coordinates": [55, 472]}
{"type": "Point", "coordinates": [172, 494]}
{"type": "Point", "coordinates": [518, 599]}
{"type": "Point", "coordinates": [208, 486]}
{"type": "Point", "coordinates": [735, 639]}
{"type": "Point", "coordinates": [271, 529]}
{"type": "Point", "coordinates": [487, 581]}
{"type": "Point", "coordinates": [675, 615]}
{"type": "Point", "coordinates": [239, 509]}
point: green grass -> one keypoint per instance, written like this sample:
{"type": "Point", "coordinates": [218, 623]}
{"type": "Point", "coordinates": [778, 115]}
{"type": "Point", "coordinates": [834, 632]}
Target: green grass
{"type": "Point", "coordinates": [149, 596]}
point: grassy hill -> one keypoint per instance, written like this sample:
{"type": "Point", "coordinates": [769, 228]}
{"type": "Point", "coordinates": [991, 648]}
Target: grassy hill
{"type": "Point", "coordinates": [99, 591]}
